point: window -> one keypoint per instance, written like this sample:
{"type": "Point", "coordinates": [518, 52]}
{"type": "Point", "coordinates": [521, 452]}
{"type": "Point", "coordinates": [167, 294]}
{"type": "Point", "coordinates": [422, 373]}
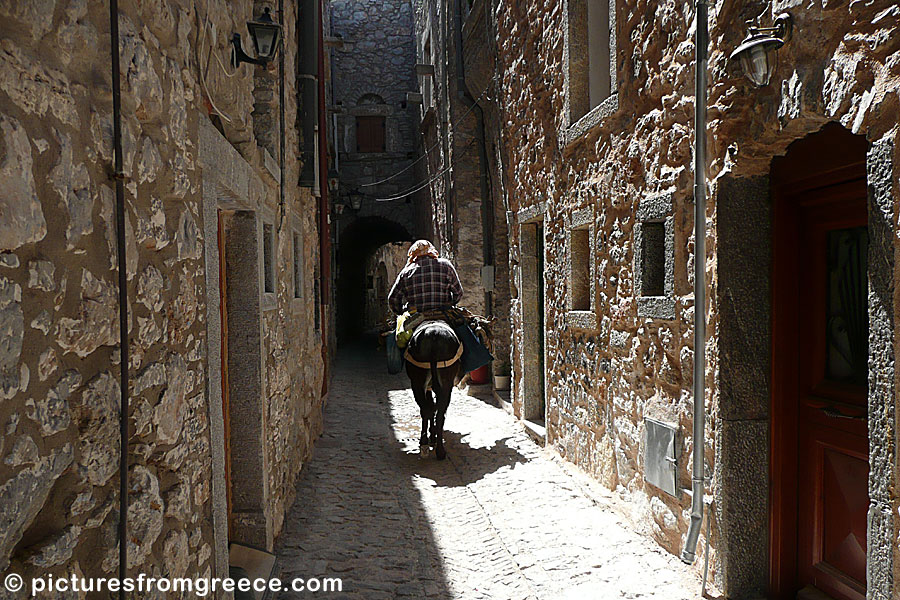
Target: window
{"type": "Point", "coordinates": [427, 59]}
{"type": "Point", "coordinates": [298, 266]}
{"type": "Point", "coordinates": [370, 134]}
{"type": "Point", "coordinates": [580, 303]}
{"type": "Point", "coordinates": [317, 299]}
{"type": "Point", "coordinates": [654, 258]}
{"type": "Point", "coordinates": [268, 258]}
{"type": "Point", "coordinates": [598, 52]}
{"type": "Point", "coordinates": [581, 269]}
{"type": "Point", "coordinates": [590, 67]}
{"type": "Point", "coordinates": [653, 251]}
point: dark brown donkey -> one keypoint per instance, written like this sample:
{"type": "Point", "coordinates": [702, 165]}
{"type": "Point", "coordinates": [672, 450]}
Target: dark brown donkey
{"type": "Point", "coordinates": [433, 361]}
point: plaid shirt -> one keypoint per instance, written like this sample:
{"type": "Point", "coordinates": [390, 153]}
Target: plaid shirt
{"type": "Point", "coordinates": [427, 284]}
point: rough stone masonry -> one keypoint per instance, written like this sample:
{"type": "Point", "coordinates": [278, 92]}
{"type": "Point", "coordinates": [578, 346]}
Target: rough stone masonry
{"type": "Point", "coordinates": [59, 387]}
{"type": "Point", "coordinates": [630, 360]}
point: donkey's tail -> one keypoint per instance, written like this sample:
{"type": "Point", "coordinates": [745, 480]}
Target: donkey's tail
{"type": "Point", "coordinates": [435, 378]}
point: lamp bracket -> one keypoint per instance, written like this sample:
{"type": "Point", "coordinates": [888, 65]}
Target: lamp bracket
{"type": "Point", "coordinates": [782, 27]}
{"type": "Point", "coordinates": [238, 55]}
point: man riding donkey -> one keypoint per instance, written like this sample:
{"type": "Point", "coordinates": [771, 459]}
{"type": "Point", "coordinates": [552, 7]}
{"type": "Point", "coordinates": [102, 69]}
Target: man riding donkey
{"type": "Point", "coordinates": [439, 344]}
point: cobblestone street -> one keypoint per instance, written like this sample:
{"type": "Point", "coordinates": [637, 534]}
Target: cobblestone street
{"type": "Point", "coordinates": [501, 518]}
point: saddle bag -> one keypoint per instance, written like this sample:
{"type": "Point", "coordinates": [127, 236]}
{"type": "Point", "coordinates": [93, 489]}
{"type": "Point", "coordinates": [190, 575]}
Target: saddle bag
{"type": "Point", "coordinates": [394, 354]}
{"type": "Point", "coordinates": [475, 353]}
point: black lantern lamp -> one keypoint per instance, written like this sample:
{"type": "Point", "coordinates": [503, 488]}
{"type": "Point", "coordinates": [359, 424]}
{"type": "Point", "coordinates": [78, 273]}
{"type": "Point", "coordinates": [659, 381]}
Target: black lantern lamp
{"type": "Point", "coordinates": [266, 36]}
{"type": "Point", "coordinates": [758, 51]}
{"type": "Point", "coordinates": [356, 199]}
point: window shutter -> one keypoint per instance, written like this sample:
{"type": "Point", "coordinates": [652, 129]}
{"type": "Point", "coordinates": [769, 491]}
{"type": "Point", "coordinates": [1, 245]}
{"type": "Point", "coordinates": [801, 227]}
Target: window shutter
{"type": "Point", "coordinates": [370, 134]}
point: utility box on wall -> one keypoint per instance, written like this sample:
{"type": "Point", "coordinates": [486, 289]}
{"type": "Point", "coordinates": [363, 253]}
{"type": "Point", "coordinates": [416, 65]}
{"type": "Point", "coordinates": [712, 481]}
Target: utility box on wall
{"type": "Point", "coordinates": [660, 461]}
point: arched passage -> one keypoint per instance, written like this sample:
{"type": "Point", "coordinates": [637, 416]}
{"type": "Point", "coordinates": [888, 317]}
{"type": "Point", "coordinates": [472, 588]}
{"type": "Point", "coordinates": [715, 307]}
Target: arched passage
{"type": "Point", "coordinates": [358, 241]}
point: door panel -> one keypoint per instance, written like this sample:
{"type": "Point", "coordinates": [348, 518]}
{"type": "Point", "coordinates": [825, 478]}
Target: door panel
{"type": "Point", "coordinates": [832, 332]}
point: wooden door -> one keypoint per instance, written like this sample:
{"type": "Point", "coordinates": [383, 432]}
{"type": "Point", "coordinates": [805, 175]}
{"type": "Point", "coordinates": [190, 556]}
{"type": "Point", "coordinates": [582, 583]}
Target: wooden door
{"type": "Point", "coordinates": [833, 462]}
{"type": "Point", "coordinates": [226, 411]}
{"type": "Point", "coordinates": [819, 368]}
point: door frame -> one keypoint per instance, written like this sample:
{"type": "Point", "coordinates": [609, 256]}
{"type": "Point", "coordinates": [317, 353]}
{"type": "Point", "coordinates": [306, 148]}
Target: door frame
{"type": "Point", "coordinates": [786, 187]}
{"type": "Point", "coordinates": [532, 288]}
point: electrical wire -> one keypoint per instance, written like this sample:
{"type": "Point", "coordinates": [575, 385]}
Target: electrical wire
{"type": "Point", "coordinates": [414, 190]}
{"type": "Point", "coordinates": [435, 145]}
{"type": "Point", "coordinates": [200, 68]}
{"type": "Point", "coordinates": [219, 60]}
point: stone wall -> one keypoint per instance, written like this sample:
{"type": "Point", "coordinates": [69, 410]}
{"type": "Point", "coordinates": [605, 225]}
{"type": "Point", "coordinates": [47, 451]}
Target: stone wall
{"type": "Point", "coordinates": [605, 377]}
{"type": "Point", "coordinates": [373, 69]}
{"type": "Point", "coordinates": [58, 305]}
{"type": "Point", "coordinates": [467, 209]}
{"type": "Point", "coordinates": [382, 269]}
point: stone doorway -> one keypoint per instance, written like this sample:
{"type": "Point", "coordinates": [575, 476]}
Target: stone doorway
{"type": "Point", "coordinates": [532, 290]}
{"type": "Point", "coordinates": [819, 444]}
{"type": "Point", "coordinates": [757, 543]}
{"type": "Point", "coordinates": [242, 393]}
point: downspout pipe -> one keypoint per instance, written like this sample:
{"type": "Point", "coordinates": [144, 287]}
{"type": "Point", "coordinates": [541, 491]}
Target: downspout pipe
{"type": "Point", "coordinates": [324, 208]}
{"type": "Point", "coordinates": [119, 177]}
{"type": "Point", "coordinates": [487, 209]}
{"type": "Point", "coordinates": [701, 41]}
{"type": "Point", "coordinates": [281, 135]}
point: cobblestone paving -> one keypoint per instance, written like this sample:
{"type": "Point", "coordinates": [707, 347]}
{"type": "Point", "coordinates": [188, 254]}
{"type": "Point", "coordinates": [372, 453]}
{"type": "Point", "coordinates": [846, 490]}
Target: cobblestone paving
{"type": "Point", "coordinates": [500, 519]}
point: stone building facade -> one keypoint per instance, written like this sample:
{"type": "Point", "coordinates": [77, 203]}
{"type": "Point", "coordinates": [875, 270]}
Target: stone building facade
{"type": "Point", "coordinates": [225, 320]}
{"type": "Point", "coordinates": [460, 129]}
{"type": "Point", "coordinates": [595, 105]}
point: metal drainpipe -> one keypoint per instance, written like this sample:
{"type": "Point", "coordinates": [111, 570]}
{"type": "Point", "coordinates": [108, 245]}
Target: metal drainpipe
{"type": "Point", "coordinates": [119, 176]}
{"type": "Point", "coordinates": [701, 42]}
{"type": "Point", "coordinates": [281, 142]}
{"type": "Point", "coordinates": [325, 248]}
{"type": "Point", "coordinates": [487, 208]}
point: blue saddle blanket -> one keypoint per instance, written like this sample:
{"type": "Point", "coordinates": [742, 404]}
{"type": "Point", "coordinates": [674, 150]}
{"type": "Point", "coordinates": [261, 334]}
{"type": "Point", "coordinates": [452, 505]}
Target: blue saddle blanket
{"type": "Point", "coordinates": [475, 354]}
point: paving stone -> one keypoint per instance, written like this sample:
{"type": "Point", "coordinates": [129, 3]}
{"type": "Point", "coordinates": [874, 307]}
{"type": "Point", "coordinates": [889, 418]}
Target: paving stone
{"type": "Point", "coordinates": [501, 518]}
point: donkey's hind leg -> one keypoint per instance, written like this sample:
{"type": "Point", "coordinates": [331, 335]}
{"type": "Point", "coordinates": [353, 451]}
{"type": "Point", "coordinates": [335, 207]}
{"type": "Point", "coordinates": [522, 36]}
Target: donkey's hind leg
{"type": "Point", "coordinates": [447, 374]}
{"type": "Point", "coordinates": [425, 401]}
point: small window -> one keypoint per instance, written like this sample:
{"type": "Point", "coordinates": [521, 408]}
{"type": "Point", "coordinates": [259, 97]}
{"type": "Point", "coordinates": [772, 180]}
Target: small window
{"type": "Point", "coordinates": [598, 52]}
{"type": "Point", "coordinates": [581, 269]}
{"type": "Point", "coordinates": [590, 40]}
{"type": "Point", "coordinates": [298, 266]}
{"type": "Point", "coordinates": [654, 258]}
{"type": "Point", "coordinates": [317, 298]}
{"type": "Point", "coordinates": [370, 135]}
{"type": "Point", "coordinates": [653, 265]}
{"type": "Point", "coordinates": [427, 59]}
{"type": "Point", "coordinates": [268, 258]}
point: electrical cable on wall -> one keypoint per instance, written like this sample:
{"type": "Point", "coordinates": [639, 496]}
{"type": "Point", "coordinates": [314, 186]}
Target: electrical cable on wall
{"type": "Point", "coordinates": [202, 32]}
{"type": "Point", "coordinates": [433, 146]}
{"type": "Point", "coordinates": [414, 190]}
{"type": "Point", "coordinates": [420, 186]}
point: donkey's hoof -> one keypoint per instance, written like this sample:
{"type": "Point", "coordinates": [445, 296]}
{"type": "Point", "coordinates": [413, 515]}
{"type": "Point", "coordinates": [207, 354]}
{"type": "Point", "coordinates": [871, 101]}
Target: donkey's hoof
{"type": "Point", "coordinates": [440, 453]}
{"type": "Point", "coordinates": [424, 450]}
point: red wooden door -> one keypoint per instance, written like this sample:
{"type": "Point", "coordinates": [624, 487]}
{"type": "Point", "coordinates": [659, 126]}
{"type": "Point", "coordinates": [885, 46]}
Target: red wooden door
{"type": "Point", "coordinates": [819, 452]}
{"type": "Point", "coordinates": [833, 465]}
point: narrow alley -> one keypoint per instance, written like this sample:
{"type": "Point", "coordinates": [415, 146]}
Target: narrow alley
{"type": "Point", "coordinates": [500, 518]}
{"type": "Point", "coordinates": [665, 237]}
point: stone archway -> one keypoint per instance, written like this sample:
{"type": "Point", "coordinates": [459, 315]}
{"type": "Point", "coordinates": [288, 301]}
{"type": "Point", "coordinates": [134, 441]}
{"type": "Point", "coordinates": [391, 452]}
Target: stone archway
{"type": "Point", "coordinates": [358, 240]}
